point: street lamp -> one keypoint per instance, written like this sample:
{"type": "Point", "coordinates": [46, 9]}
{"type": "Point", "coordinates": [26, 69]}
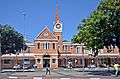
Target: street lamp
{"type": "Point", "coordinates": [66, 55]}
{"type": "Point", "coordinates": [24, 15]}
{"type": "Point", "coordinates": [83, 57]}
{"type": "Point", "coordinates": [0, 55]}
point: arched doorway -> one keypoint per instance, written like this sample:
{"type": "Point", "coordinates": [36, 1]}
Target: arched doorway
{"type": "Point", "coordinates": [46, 59]}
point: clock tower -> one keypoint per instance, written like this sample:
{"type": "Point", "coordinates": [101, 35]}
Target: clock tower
{"type": "Point", "coordinates": [57, 28]}
{"type": "Point", "coordinates": [57, 25]}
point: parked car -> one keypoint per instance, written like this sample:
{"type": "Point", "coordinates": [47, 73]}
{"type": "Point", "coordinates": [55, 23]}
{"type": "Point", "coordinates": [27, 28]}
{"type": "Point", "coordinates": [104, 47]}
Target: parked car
{"type": "Point", "coordinates": [91, 66]}
{"type": "Point", "coordinates": [16, 66]}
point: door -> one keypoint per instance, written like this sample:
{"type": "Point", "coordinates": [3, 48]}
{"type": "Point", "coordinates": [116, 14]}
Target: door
{"type": "Point", "coordinates": [45, 61]}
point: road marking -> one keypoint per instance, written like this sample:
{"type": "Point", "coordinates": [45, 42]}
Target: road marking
{"type": "Point", "coordinates": [94, 78]}
{"type": "Point", "coordinates": [11, 77]}
{"type": "Point", "coordinates": [37, 77]}
{"type": "Point", "coordinates": [64, 78]}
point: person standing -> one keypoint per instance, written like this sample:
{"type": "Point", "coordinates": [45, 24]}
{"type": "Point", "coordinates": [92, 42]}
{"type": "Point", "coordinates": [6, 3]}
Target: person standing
{"type": "Point", "coordinates": [116, 67]}
{"type": "Point", "coordinates": [47, 68]}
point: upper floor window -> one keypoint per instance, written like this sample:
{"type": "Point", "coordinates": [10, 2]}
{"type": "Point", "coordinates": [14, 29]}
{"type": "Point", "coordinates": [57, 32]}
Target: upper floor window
{"type": "Point", "coordinates": [66, 47]}
{"type": "Point", "coordinates": [38, 46]}
{"type": "Point", "coordinates": [58, 37]}
{"type": "Point", "coordinates": [46, 46]}
{"type": "Point", "coordinates": [78, 49]}
{"type": "Point", "coordinates": [28, 49]}
{"type": "Point", "coordinates": [53, 45]}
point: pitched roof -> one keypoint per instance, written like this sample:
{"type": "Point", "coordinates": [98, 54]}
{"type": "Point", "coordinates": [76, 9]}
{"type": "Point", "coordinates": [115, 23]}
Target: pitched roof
{"type": "Point", "coordinates": [46, 34]}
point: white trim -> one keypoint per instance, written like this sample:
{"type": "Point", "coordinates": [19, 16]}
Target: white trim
{"type": "Point", "coordinates": [13, 77]}
{"type": "Point", "coordinates": [66, 54]}
{"type": "Point", "coordinates": [108, 54]}
{"type": "Point", "coordinates": [20, 54]}
{"type": "Point", "coordinates": [75, 44]}
{"type": "Point", "coordinates": [44, 39]}
{"type": "Point", "coordinates": [45, 42]}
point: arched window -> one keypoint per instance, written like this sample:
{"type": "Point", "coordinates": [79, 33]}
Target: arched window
{"type": "Point", "coordinates": [38, 46]}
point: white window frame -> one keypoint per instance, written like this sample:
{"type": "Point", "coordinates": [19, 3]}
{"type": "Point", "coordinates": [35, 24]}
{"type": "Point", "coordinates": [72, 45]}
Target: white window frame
{"type": "Point", "coordinates": [8, 63]}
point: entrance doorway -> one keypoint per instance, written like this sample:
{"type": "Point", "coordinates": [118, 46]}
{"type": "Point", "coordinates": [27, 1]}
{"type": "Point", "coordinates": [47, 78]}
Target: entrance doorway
{"type": "Point", "coordinates": [45, 61]}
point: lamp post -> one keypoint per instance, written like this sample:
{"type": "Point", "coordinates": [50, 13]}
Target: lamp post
{"type": "Point", "coordinates": [24, 15]}
{"type": "Point", "coordinates": [0, 55]}
{"type": "Point", "coordinates": [83, 58]}
{"type": "Point", "coordinates": [66, 55]}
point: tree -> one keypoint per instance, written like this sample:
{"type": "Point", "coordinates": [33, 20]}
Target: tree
{"type": "Point", "coordinates": [102, 27]}
{"type": "Point", "coordinates": [11, 40]}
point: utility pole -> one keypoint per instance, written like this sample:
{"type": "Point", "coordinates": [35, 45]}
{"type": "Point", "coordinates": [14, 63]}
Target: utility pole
{"type": "Point", "coordinates": [0, 55]}
{"type": "Point", "coordinates": [24, 15]}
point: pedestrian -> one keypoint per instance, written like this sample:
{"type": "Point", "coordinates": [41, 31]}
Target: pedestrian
{"type": "Point", "coordinates": [71, 65]}
{"type": "Point", "coordinates": [116, 67]}
{"type": "Point", "coordinates": [47, 68]}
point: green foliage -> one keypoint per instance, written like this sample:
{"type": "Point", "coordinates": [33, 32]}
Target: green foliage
{"type": "Point", "coordinates": [11, 40]}
{"type": "Point", "coordinates": [102, 27]}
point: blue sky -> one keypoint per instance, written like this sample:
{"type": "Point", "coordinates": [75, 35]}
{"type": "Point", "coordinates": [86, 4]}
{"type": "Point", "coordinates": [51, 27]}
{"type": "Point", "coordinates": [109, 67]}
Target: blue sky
{"type": "Point", "coordinates": [40, 13]}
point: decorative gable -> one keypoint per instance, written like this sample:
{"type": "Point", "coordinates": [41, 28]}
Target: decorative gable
{"type": "Point", "coordinates": [46, 34]}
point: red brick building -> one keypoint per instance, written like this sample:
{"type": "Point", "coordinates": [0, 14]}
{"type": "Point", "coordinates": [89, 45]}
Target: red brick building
{"type": "Point", "coordinates": [49, 47]}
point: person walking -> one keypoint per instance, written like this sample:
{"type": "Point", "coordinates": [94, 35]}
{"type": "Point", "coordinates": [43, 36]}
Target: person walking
{"type": "Point", "coordinates": [47, 68]}
{"type": "Point", "coordinates": [116, 67]}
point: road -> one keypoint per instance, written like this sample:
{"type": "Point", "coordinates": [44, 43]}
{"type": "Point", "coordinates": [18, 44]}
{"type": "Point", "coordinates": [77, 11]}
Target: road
{"type": "Point", "coordinates": [61, 73]}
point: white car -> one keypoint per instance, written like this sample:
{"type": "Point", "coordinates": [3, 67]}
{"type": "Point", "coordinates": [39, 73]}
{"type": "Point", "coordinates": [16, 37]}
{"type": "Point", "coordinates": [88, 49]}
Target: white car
{"type": "Point", "coordinates": [91, 66]}
{"type": "Point", "coordinates": [17, 66]}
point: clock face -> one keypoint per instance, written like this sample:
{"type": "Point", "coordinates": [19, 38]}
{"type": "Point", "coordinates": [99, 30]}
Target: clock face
{"type": "Point", "coordinates": [58, 26]}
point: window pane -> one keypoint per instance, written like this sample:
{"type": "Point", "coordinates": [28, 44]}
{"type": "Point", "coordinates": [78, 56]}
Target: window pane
{"type": "Point", "coordinates": [58, 37]}
{"type": "Point", "coordinates": [53, 45]}
{"type": "Point", "coordinates": [38, 45]}
{"type": "Point", "coordinates": [78, 49]}
{"type": "Point", "coordinates": [7, 61]}
{"type": "Point", "coordinates": [38, 61]}
{"type": "Point", "coordinates": [60, 61]}
{"type": "Point", "coordinates": [47, 45]}
{"type": "Point", "coordinates": [44, 45]}
{"type": "Point", "coordinates": [53, 60]}
{"type": "Point", "coordinates": [27, 61]}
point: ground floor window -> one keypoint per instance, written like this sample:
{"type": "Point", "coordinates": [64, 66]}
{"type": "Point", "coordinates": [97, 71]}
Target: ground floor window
{"type": "Point", "coordinates": [65, 63]}
{"type": "Point", "coordinates": [38, 61]}
{"type": "Point", "coordinates": [53, 60]}
{"type": "Point", "coordinates": [70, 60]}
{"type": "Point", "coordinates": [7, 61]}
{"type": "Point", "coordinates": [26, 61]}
{"type": "Point", "coordinates": [60, 62]}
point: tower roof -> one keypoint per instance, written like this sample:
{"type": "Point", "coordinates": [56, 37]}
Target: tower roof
{"type": "Point", "coordinates": [57, 16]}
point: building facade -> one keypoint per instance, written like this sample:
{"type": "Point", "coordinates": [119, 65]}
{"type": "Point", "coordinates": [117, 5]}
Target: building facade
{"type": "Point", "coordinates": [50, 48]}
